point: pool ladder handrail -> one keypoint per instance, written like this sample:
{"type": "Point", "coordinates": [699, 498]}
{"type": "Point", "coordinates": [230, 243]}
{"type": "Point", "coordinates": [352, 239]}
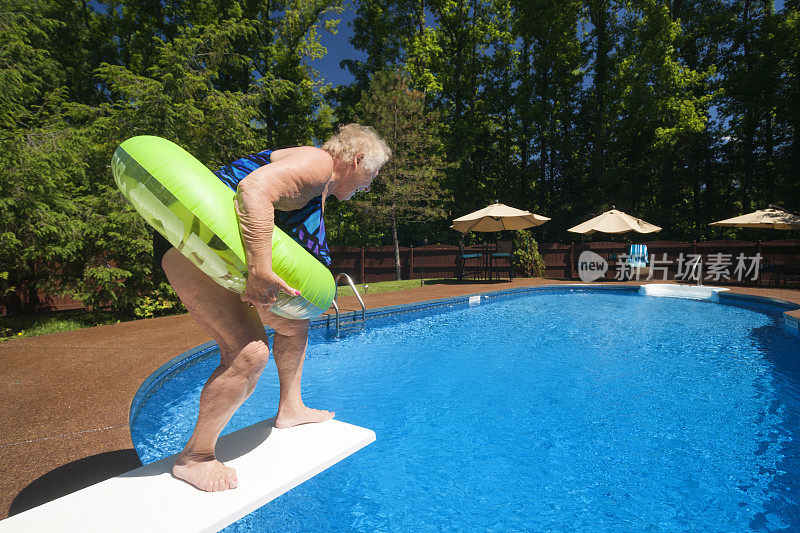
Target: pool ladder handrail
{"type": "Point", "coordinates": [697, 269]}
{"type": "Point", "coordinates": [355, 291]}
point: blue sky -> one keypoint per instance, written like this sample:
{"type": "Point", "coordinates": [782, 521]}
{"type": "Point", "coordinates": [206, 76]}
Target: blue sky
{"type": "Point", "coordinates": [339, 48]}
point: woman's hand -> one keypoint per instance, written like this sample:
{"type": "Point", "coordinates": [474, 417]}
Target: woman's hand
{"type": "Point", "coordinates": [262, 290]}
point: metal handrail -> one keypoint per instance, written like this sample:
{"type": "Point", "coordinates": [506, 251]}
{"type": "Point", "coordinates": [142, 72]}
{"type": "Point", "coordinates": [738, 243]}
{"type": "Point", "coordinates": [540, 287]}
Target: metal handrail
{"type": "Point", "coordinates": [697, 268]}
{"type": "Point", "coordinates": [355, 291]}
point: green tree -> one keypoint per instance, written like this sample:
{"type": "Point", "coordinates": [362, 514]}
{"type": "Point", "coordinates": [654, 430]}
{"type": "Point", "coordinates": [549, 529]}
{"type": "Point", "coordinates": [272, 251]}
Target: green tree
{"type": "Point", "coordinates": [407, 191]}
{"type": "Point", "coordinates": [464, 36]}
{"type": "Point", "coordinates": [176, 101]}
{"type": "Point", "coordinates": [219, 78]}
{"type": "Point", "coordinates": [661, 104]}
{"type": "Point", "coordinates": [787, 111]}
{"type": "Point", "coordinates": [550, 74]}
{"type": "Point", "coordinates": [80, 43]}
{"type": "Point", "coordinates": [40, 158]}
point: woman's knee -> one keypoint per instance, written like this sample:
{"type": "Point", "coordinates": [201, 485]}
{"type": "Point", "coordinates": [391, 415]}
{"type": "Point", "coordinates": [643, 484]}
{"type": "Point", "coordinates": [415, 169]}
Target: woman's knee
{"type": "Point", "coordinates": [250, 360]}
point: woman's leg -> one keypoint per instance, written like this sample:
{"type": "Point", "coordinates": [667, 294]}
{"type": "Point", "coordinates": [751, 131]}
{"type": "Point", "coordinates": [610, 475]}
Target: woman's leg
{"type": "Point", "coordinates": [237, 329]}
{"type": "Point", "coordinates": [289, 352]}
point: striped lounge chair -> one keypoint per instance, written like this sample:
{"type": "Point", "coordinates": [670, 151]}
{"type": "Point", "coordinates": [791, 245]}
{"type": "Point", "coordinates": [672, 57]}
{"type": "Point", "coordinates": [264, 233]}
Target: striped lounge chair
{"type": "Point", "coordinates": [637, 255]}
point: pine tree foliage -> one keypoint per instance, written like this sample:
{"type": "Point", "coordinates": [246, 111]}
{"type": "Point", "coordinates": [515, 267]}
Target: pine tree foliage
{"type": "Point", "coordinates": [221, 79]}
{"type": "Point", "coordinates": [408, 189]}
{"type": "Point", "coordinates": [678, 112]}
{"type": "Point", "coordinates": [41, 158]}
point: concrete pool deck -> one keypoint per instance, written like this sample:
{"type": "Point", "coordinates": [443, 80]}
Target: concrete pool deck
{"type": "Point", "coordinates": [65, 397]}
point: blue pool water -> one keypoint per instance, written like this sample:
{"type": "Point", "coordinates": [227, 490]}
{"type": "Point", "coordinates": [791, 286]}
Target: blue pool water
{"type": "Point", "coordinates": [559, 411]}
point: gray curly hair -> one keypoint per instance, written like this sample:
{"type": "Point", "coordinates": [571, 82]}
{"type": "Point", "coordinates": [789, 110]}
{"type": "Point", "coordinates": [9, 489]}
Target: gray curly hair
{"type": "Point", "coordinates": [353, 139]}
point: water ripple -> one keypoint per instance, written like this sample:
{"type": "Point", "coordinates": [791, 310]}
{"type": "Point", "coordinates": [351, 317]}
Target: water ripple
{"type": "Point", "coordinates": [565, 412]}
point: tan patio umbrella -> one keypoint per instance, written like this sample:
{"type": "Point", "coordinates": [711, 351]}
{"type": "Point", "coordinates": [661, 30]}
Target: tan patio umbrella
{"type": "Point", "coordinates": [771, 218]}
{"type": "Point", "coordinates": [615, 221]}
{"type": "Point", "coordinates": [497, 217]}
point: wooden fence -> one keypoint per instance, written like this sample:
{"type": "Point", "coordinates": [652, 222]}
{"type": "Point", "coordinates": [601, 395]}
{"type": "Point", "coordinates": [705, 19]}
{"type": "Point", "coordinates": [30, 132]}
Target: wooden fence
{"type": "Point", "coordinates": [778, 256]}
{"type": "Point", "coordinates": [366, 265]}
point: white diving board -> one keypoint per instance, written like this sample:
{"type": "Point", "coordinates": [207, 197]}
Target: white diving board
{"type": "Point", "coordinates": [268, 463]}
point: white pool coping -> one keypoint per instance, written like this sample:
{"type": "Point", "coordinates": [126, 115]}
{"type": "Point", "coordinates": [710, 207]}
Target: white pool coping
{"type": "Point", "coordinates": [268, 463]}
{"type": "Point", "coordinates": [691, 292]}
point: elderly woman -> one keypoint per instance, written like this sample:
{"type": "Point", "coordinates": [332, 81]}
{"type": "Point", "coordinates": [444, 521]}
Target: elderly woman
{"type": "Point", "coordinates": [286, 188]}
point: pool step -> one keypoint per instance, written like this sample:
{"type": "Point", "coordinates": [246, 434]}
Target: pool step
{"type": "Point", "coordinates": [356, 323]}
{"type": "Point", "coordinates": [268, 463]}
{"type": "Point", "coordinates": [335, 304]}
{"type": "Point", "coordinates": [690, 292]}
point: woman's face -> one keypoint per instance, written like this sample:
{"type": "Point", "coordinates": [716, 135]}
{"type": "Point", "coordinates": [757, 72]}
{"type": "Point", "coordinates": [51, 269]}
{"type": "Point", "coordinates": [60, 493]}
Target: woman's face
{"type": "Point", "coordinates": [357, 179]}
{"type": "Point", "coordinates": [366, 181]}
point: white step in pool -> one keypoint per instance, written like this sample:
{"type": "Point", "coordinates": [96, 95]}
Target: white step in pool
{"type": "Point", "coordinates": [268, 463]}
{"type": "Point", "coordinates": [692, 292]}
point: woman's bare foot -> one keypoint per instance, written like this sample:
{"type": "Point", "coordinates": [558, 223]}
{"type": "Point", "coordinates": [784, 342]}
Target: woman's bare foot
{"type": "Point", "coordinates": [287, 418]}
{"type": "Point", "coordinates": [205, 473]}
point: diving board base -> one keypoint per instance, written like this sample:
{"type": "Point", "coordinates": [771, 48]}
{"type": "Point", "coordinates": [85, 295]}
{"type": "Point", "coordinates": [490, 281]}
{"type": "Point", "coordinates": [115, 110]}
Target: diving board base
{"type": "Point", "coordinates": [268, 463]}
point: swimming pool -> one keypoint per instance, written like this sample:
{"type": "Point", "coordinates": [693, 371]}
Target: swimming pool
{"type": "Point", "coordinates": [538, 410]}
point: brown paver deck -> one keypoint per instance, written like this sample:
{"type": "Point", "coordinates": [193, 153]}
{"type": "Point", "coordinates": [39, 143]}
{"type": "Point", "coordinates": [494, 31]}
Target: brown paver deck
{"type": "Point", "coordinates": [65, 397]}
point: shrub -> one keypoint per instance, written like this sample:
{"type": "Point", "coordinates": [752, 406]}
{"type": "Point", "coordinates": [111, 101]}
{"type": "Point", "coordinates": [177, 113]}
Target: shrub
{"type": "Point", "coordinates": [528, 262]}
{"type": "Point", "coordinates": [162, 301]}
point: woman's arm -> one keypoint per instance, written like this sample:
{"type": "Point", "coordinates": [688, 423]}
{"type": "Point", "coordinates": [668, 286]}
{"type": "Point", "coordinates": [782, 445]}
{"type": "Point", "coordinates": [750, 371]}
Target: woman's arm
{"type": "Point", "coordinates": [294, 176]}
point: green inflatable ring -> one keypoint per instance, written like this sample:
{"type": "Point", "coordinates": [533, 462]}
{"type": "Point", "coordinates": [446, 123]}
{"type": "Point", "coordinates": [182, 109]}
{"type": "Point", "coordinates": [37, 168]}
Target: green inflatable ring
{"type": "Point", "coordinates": [194, 211]}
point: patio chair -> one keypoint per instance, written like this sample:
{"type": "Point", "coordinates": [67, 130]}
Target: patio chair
{"type": "Point", "coordinates": [768, 275]}
{"type": "Point", "coordinates": [502, 255]}
{"type": "Point", "coordinates": [790, 272]}
{"type": "Point", "coordinates": [464, 260]}
{"type": "Point", "coordinates": [637, 258]}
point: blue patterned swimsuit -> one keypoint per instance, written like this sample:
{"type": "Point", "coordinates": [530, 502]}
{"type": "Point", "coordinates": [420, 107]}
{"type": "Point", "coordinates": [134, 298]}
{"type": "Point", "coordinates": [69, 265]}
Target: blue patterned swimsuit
{"type": "Point", "coordinates": [304, 225]}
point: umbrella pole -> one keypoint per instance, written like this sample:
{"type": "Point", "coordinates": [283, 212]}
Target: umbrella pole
{"type": "Point", "coordinates": [422, 273]}
{"type": "Point", "coordinates": [460, 266]}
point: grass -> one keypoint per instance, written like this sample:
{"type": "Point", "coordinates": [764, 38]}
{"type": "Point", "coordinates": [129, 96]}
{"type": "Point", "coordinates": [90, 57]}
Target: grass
{"type": "Point", "coordinates": [381, 286]}
{"type": "Point", "coordinates": [19, 327]}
